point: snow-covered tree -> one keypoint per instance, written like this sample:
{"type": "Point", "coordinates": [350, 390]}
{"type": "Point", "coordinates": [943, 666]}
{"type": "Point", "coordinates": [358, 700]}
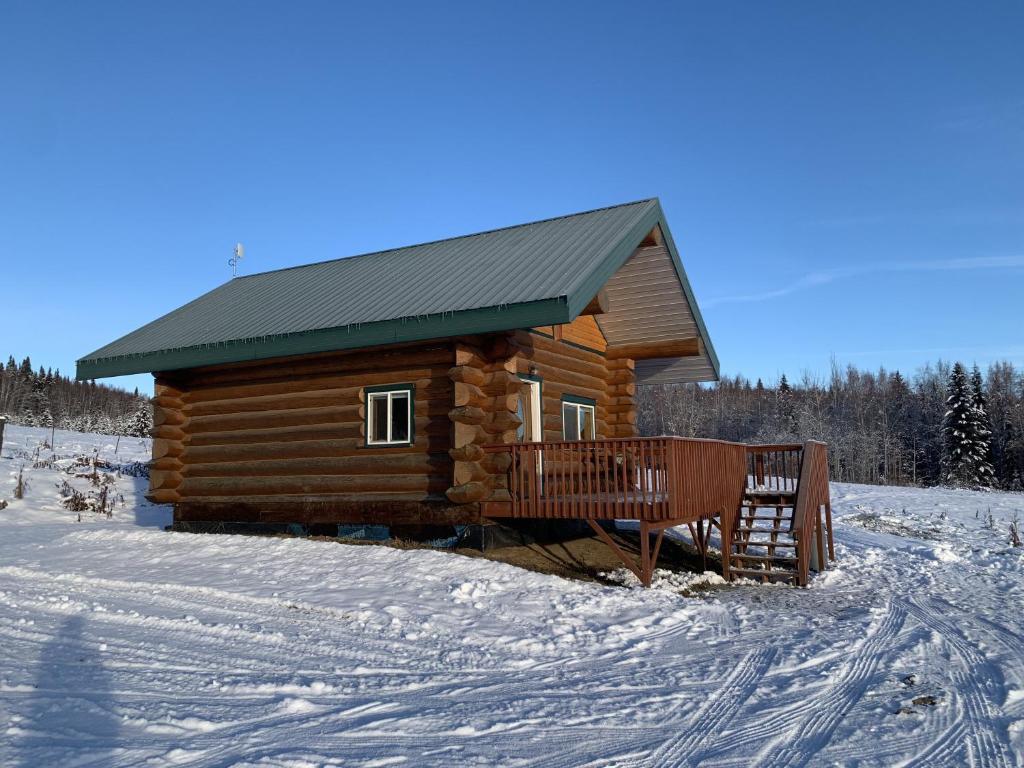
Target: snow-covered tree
{"type": "Point", "coordinates": [966, 441]}
{"type": "Point", "coordinates": [983, 430]}
{"type": "Point", "coordinates": [140, 421]}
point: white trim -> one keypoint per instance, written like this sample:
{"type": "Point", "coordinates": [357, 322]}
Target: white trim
{"type": "Point", "coordinates": [389, 396]}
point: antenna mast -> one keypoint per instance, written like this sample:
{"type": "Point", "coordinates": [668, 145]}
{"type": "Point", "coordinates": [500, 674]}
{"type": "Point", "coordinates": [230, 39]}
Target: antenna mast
{"type": "Point", "coordinates": [233, 261]}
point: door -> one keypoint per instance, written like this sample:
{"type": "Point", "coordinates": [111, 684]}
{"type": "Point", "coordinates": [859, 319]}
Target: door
{"type": "Point", "coordinates": [531, 428]}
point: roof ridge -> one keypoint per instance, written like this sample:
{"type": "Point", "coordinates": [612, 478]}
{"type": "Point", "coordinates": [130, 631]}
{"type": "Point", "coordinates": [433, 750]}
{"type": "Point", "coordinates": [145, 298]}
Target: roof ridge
{"type": "Point", "coordinates": [448, 239]}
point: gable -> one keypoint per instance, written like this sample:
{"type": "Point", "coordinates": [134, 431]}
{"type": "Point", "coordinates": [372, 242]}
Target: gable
{"type": "Point", "coordinates": [518, 277]}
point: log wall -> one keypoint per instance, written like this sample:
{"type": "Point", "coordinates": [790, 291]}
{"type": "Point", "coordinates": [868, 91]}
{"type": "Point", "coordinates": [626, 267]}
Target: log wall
{"type": "Point", "coordinates": [284, 439]}
{"type": "Point", "coordinates": [292, 430]}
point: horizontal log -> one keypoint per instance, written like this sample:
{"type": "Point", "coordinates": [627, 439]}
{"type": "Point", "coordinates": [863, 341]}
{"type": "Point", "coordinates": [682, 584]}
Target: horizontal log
{"type": "Point", "coordinates": [167, 416]}
{"type": "Point", "coordinates": [469, 394]}
{"type": "Point", "coordinates": [467, 472]}
{"type": "Point", "coordinates": [297, 449]}
{"type": "Point", "coordinates": [364, 463]}
{"type": "Point", "coordinates": [168, 401]}
{"type": "Point", "coordinates": [163, 447]}
{"type": "Point", "coordinates": [568, 362]}
{"type": "Point", "coordinates": [502, 421]}
{"type": "Point", "coordinates": [620, 400]}
{"type": "Point", "coordinates": [469, 452]}
{"type": "Point", "coordinates": [625, 417]}
{"type": "Point", "coordinates": [428, 390]}
{"type": "Point", "coordinates": [468, 434]}
{"type": "Point", "coordinates": [502, 382]}
{"type": "Point", "coordinates": [655, 349]}
{"type": "Point", "coordinates": [598, 305]}
{"type": "Point", "coordinates": [169, 463]}
{"type": "Point", "coordinates": [294, 417]}
{"type": "Point", "coordinates": [433, 427]}
{"type": "Point", "coordinates": [312, 484]}
{"type": "Point", "coordinates": [167, 432]}
{"type": "Point", "coordinates": [467, 375]}
{"type": "Point", "coordinates": [354, 508]}
{"type": "Point", "coordinates": [163, 479]}
{"type": "Point", "coordinates": [356, 361]}
{"type": "Point", "coordinates": [531, 341]}
{"type": "Point", "coordinates": [467, 415]}
{"type": "Point", "coordinates": [162, 496]}
{"type": "Point", "coordinates": [572, 382]}
{"type": "Point", "coordinates": [620, 408]}
{"type": "Point", "coordinates": [421, 378]}
{"type": "Point", "coordinates": [499, 348]}
{"type": "Point", "coordinates": [470, 355]}
{"type": "Point", "coordinates": [497, 463]}
{"type": "Point", "coordinates": [163, 387]}
{"type": "Point", "coordinates": [469, 492]}
{"type": "Point", "coordinates": [622, 363]}
{"type": "Point", "coordinates": [623, 389]}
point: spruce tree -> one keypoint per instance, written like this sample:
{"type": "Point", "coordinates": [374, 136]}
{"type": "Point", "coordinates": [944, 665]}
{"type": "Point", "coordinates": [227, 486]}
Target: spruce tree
{"type": "Point", "coordinates": [965, 438]}
{"type": "Point", "coordinates": [141, 421]}
{"type": "Point", "coordinates": [982, 430]}
{"type": "Point", "coordinates": [957, 428]}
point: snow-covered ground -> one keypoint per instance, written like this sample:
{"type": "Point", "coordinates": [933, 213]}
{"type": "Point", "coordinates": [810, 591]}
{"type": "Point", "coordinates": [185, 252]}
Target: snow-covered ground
{"type": "Point", "coordinates": [126, 645]}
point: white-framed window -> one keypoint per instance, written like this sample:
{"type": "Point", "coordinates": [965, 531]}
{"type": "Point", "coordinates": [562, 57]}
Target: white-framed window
{"type": "Point", "coordinates": [579, 419]}
{"type": "Point", "coordinates": [389, 415]}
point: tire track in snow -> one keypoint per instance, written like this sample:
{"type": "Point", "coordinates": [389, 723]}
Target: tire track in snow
{"type": "Point", "coordinates": [798, 746]}
{"type": "Point", "coordinates": [719, 709]}
{"type": "Point", "coordinates": [977, 695]}
{"type": "Point", "coordinates": [636, 741]}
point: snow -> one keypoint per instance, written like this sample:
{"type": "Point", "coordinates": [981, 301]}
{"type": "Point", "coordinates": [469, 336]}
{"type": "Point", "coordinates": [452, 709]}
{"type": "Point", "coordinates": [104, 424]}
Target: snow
{"type": "Point", "coordinates": [128, 645]}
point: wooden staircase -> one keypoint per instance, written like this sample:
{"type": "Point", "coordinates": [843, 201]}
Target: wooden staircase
{"type": "Point", "coordinates": [763, 544]}
{"type": "Point", "coordinates": [784, 521]}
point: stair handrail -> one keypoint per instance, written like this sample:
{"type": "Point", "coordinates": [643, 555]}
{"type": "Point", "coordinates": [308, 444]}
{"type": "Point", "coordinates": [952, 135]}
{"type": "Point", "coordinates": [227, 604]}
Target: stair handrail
{"type": "Point", "coordinates": [811, 495]}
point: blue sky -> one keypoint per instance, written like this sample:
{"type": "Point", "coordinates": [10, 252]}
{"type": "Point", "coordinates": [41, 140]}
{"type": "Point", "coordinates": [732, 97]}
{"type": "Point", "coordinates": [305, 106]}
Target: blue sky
{"type": "Point", "coordinates": [842, 180]}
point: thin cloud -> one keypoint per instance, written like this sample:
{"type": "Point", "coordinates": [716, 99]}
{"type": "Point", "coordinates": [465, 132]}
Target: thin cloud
{"type": "Point", "coordinates": [825, 277]}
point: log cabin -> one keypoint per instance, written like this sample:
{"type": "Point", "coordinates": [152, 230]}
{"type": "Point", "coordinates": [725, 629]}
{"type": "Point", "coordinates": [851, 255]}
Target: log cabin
{"type": "Point", "coordinates": [482, 377]}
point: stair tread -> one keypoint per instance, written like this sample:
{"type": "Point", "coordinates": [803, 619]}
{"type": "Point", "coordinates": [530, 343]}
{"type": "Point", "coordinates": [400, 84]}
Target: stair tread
{"type": "Point", "coordinates": [758, 543]}
{"type": "Point", "coordinates": [764, 558]}
{"type": "Point", "coordinates": [786, 575]}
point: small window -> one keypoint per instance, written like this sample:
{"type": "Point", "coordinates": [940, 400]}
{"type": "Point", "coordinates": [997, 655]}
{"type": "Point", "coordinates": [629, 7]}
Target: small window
{"type": "Point", "coordinates": [389, 415]}
{"type": "Point", "coordinates": [578, 418]}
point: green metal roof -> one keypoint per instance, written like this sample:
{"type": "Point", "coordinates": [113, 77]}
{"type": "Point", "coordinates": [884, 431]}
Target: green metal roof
{"type": "Point", "coordinates": [533, 274]}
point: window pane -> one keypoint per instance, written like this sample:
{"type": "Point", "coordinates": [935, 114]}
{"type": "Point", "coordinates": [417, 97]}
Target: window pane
{"type": "Point", "coordinates": [400, 417]}
{"type": "Point", "coordinates": [378, 418]}
{"type": "Point", "coordinates": [586, 422]}
{"type": "Point", "coordinates": [570, 422]}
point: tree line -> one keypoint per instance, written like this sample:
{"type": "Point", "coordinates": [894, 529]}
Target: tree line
{"type": "Point", "coordinates": [45, 398]}
{"type": "Point", "coordinates": [943, 426]}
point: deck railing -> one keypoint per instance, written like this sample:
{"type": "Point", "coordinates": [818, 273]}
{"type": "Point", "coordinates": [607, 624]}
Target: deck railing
{"type": "Point", "coordinates": [774, 467]}
{"type": "Point", "coordinates": [668, 481]}
{"type": "Point", "coordinates": [650, 478]}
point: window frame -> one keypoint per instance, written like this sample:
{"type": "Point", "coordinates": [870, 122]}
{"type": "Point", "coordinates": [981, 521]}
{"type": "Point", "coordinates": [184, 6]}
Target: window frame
{"type": "Point", "coordinates": [580, 404]}
{"type": "Point", "coordinates": [390, 390]}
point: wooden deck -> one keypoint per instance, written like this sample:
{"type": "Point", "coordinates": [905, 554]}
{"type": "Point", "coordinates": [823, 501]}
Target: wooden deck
{"type": "Point", "coordinates": [665, 482]}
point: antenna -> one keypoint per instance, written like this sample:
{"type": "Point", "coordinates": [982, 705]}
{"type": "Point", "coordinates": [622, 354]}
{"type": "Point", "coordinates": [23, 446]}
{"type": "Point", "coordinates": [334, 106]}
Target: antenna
{"type": "Point", "coordinates": [233, 261]}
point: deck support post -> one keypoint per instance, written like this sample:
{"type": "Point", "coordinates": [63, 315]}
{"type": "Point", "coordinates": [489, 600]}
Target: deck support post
{"type": "Point", "coordinates": [626, 560]}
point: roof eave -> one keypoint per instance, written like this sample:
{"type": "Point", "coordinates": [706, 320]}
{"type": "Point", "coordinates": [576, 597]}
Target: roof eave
{"type": "Point", "coordinates": [402, 330]}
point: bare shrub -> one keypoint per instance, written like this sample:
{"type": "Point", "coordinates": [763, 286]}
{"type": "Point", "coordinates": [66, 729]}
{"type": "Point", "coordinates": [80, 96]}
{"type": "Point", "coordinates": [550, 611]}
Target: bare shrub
{"type": "Point", "coordinates": [21, 485]}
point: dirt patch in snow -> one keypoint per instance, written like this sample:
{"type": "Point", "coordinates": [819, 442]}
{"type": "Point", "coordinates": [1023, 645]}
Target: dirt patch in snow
{"type": "Point", "coordinates": [590, 559]}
